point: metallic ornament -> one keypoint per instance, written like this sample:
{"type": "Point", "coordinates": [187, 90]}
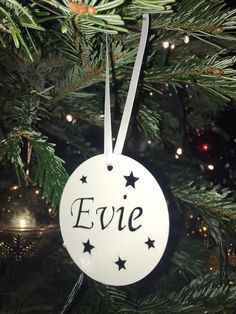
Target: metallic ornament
{"type": "Point", "coordinates": [28, 228]}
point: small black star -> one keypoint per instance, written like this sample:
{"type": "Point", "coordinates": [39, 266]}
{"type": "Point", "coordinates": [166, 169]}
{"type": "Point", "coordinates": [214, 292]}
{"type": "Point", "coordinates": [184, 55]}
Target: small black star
{"type": "Point", "coordinates": [88, 247]}
{"type": "Point", "coordinates": [83, 179]}
{"type": "Point", "coordinates": [130, 180]}
{"type": "Point", "coordinates": [150, 243]}
{"type": "Point", "coordinates": [121, 263]}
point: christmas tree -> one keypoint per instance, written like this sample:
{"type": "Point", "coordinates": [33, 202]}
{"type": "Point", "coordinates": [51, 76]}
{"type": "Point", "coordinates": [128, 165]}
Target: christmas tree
{"type": "Point", "coordinates": [52, 70]}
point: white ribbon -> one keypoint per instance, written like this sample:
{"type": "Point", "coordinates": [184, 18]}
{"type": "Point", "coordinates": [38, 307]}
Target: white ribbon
{"type": "Point", "coordinates": [107, 114]}
{"type": "Point", "coordinates": [129, 100]}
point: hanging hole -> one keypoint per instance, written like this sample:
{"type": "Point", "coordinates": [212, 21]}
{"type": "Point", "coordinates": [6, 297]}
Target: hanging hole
{"type": "Point", "coordinates": [109, 168]}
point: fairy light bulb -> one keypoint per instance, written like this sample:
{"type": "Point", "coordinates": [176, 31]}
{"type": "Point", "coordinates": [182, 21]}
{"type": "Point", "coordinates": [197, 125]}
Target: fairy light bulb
{"type": "Point", "coordinates": [186, 39]}
{"type": "Point", "coordinates": [205, 147]}
{"type": "Point", "coordinates": [179, 151]}
{"type": "Point", "coordinates": [69, 117]}
{"type": "Point", "coordinates": [165, 44]}
{"type": "Point", "coordinates": [211, 167]}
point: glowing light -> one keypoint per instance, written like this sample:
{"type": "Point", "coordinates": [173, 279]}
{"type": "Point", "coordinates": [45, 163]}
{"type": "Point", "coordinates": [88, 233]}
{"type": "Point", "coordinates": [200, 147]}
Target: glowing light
{"type": "Point", "coordinates": [165, 44]}
{"type": "Point", "coordinates": [179, 151]}
{"type": "Point", "coordinates": [204, 228]}
{"type": "Point", "coordinates": [176, 156]}
{"type": "Point", "coordinates": [205, 147]}
{"type": "Point", "coordinates": [211, 167]}
{"type": "Point", "coordinates": [149, 142]}
{"type": "Point", "coordinates": [151, 93]}
{"type": "Point", "coordinates": [15, 187]}
{"type": "Point", "coordinates": [69, 117]}
{"type": "Point", "coordinates": [186, 39]}
{"type": "Point", "coordinates": [37, 192]}
{"type": "Point", "coordinates": [191, 216]}
{"type": "Point", "coordinates": [22, 223]}
{"type": "Point", "coordinates": [172, 46]}
{"type": "Point", "coordinates": [101, 116]}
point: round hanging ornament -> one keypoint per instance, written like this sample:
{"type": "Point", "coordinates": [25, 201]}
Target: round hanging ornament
{"type": "Point", "coordinates": [113, 215]}
{"type": "Point", "coordinates": [115, 222]}
{"type": "Point", "coordinates": [28, 226]}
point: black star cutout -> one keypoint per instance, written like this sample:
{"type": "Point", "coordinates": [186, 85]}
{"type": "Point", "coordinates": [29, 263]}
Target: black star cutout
{"type": "Point", "coordinates": [88, 247]}
{"type": "Point", "coordinates": [121, 263]}
{"type": "Point", "coordinates": [83, 179]}
{"type": "Point", "coordinates": [150, 243]}
{"type": "Point", "coordinates": [130, 180]}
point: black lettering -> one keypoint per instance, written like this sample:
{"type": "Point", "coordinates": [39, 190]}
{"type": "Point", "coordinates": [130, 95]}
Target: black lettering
{"type": "Point", "coordinates": [131, 218]}
{"type": "Point", "coordinates": [80, 211]}
{"type": "Point", "coordinates": [121, 209]}
{"type": "Point", "coordinates": [102, 217]}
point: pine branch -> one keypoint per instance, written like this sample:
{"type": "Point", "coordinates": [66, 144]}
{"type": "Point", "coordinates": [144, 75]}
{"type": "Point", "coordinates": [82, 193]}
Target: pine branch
{"type": "Point", "coordinates": [87, 17]}
{"type": "Point", "coordinates": [217, 210]}
{"type": "Point", "coordinates": [188, 250]}
{"type": "Point", "coordinates": [149, 122]}
{"type": "Point", "coordinates": [138, 7]}
{"type": "Point", "coordinates": [214, 75]}
{"type": "Point", "coordinates": [49, 173]}
{"type": "Point", "coordinates": [15, 20]}
{"type": "Point", "coordinates": [205, 21]}
{"type": "Point", "coordinates": [203, 293]}
{"type": "Point", "coordinates": [11, 149]}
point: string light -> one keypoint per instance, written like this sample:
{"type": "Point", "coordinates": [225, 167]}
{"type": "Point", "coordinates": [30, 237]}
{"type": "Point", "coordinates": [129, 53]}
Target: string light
{"type": "Point", "coordinates": [101, 116]}
{"type": "Point", "coordinates": [179, 151]}
{"type": "Point", "coordinates": [165, 44]}
{"type": "Point", "coordinates": [211, 167]}
{"type": "Point", "coordinates": [172, 46]}
{"type": "Point", "coordinates": [205, 147]}
{"type": "Point", "coordinates": [69, 117]}
{"type": "Point", "coordinates": [151, 93]}
{"type": "Point", "coordinates": [186, 39]}
{"type": "Point", "coordinates": [15, 187]}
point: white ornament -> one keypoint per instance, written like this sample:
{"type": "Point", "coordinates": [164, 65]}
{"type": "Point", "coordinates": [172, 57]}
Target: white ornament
{"type": "Point", "coordinates": [114, 224]}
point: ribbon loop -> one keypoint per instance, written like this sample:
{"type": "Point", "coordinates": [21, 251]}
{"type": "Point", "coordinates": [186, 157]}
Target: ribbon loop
{"type": "Point", "coordinates": [129, 101]}
{"type": "Point", "coordinates": [107, 114]}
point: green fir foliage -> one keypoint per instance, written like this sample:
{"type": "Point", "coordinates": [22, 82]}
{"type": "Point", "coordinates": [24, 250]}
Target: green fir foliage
{"type": "Point", "coordinates": [52, 63]}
